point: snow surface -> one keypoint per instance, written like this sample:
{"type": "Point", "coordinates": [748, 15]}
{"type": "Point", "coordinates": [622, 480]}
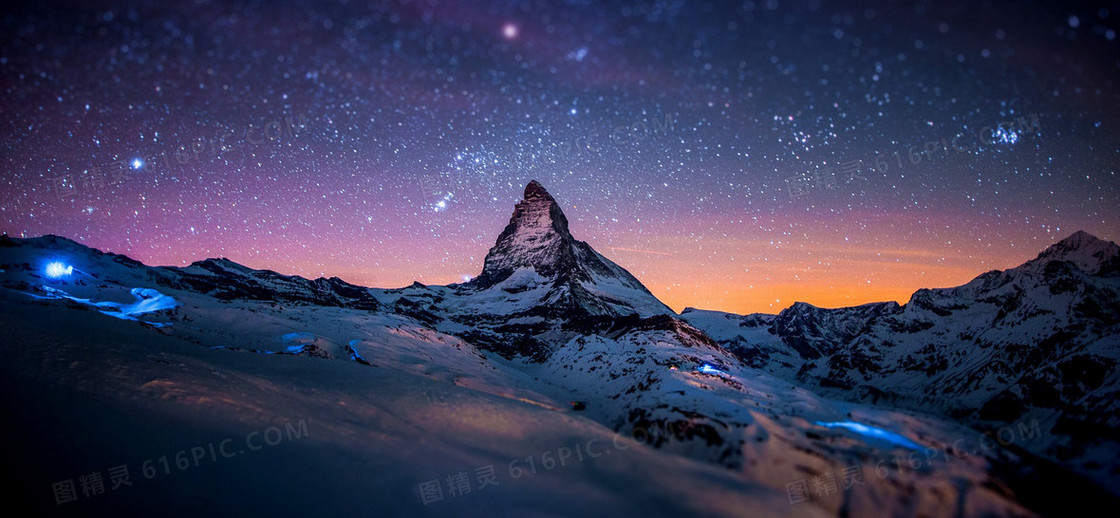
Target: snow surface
{"type": "Point", "coordinates": [1037, 346]}
{"type": "Point", "coordinates": [424, 403]}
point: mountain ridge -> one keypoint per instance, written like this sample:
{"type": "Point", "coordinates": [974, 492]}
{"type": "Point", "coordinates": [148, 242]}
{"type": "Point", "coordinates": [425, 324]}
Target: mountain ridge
{"type": "Point", "coordinates": [1068, 249]}
{"type": "Point", "coordinates": [1036, 343]}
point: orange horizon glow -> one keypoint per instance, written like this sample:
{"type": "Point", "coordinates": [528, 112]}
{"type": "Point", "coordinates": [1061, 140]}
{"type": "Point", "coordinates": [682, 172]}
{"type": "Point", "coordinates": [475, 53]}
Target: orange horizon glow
{"type": "Point", "coordinates": [795, 276]}
{"type": "Point", "coordinates": [742, 266]}
{"type": "Point", "coordinates": [737, 276]}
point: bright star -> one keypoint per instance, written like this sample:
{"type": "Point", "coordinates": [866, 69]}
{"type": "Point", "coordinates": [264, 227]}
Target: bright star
{"type": "Point", "coordinates": [137, 163]}
{"type": "Point", "coordinates": [509, 31]}
{"type": "Point", "coordinates": [442, 204]}
{"type": "Point", "coordinates": [1005, 136]}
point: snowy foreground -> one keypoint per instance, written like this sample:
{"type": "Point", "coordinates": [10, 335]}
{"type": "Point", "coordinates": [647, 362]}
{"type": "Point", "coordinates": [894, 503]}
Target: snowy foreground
{"type": "Point", "coordinates": [219, 390]}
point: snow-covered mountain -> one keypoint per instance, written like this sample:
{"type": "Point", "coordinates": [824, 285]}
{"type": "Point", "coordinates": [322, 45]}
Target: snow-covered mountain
{"type": "Point", "coordinates": [539, 287]}
{"type": "Point", "coordinates": [1036, 343]}
{"type": "Point", "coordinates": [552, 351]}
{"type": "Point", "coordinates": [536, 255]}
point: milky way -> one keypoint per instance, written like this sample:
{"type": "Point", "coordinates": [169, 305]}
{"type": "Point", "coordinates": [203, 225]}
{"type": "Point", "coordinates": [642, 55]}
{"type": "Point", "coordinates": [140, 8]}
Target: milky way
{"type": "Point", "coordinates": [732, 156]}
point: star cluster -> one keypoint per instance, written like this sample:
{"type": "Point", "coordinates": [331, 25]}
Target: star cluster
{"type": "Point", "coordinates": [736, 156]}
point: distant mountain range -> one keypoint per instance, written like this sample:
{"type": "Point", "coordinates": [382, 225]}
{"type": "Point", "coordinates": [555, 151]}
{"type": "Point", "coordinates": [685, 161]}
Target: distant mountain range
{"type": "Point", "coordinates": [552, 326]}
{"type": "Point", "coordinates": [1040, 342]}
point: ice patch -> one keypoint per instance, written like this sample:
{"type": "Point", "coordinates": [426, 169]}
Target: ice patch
{"type": "Point", "coordinates": [708, 369]}
{"type": "Point", "coordinates": [872, 432]}
{"type": "Point", "coordinates": [302, 338]}
{"type": "Point", "coordinates": [299, 339]}
{"type": "Point", "coordinates": [147, 301]}
{"type": "Point", "coordinates": [354, 356]}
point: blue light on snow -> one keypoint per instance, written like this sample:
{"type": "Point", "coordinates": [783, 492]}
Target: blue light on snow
{"type": "Point", "coordinates": [872, 432]}
{"type": "Point", "coordinates": [354, 356]}
{"type": "Point", "coordinates": [57, 270]}
{"type": "Point", "coordinates": [147, 301]}
{"type": "Point", "coordinates": [708, 369]}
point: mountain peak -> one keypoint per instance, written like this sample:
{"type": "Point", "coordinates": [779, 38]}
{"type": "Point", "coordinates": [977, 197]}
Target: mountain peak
{"type": "Point", "coordinates": [1084, 250]}
{"type": "Point", "coordinates": [536, 237]}
{"type": "Point", "coordinates": [534, 189]}
{"type": "Point", "coordinates": [536, 250]}
{"type": "Point", "coordinates": [1078, 240]}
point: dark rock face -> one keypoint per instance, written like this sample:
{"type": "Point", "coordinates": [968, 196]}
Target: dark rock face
{"type": "Point", "coordinates": [581, 280]}
{"type": "Point", "coordinates": [536, 237]}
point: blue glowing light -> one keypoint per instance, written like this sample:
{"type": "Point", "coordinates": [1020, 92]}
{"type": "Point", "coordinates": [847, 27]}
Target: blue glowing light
{"type": "Point", "coordinates": [872, 432]}
{"type": "Point", "coordinates": [147, 301]}
{"type": "Point", "coordinates": [708, 369]}
{"type": "Point", "coordinates": [137, 163]}
{"type": "Point", "coordinates": [57, 270]}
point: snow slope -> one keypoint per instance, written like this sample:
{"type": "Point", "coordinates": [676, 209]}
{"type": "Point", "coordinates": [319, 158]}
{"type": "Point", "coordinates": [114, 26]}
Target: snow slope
{"type": "Point", "coordinates": [427, 406]}
{"type": "Point", "coordinates": [581, 405]}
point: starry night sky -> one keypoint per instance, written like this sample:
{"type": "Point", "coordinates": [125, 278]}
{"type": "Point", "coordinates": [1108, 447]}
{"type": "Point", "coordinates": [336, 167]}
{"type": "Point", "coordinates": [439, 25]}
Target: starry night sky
{"type": "Point", "coordinates": [733, 156]}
